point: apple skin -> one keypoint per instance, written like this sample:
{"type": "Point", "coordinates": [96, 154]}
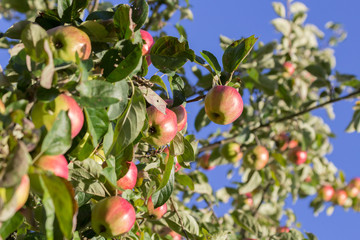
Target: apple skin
{"type": "Point", "coordinates": [112, 217]}
{"type": "Point", "coordinates": [181, 114]}
{"type": "Point", "coordinates": [297, 156]}
{"type": "Point", "coordinates": [204, 162]}
{"type": "Point", "coordinates": [162, 127]}
{"type": "Point", "coordinates": [231, 152]}
{"type": "Point", "coordinates": [256, 157]}
{"type": "Point", "coordinates": [65, 41]}
{"type": "Point", "coordinates": [282, 229]}
{"type": "Point", "coordinates": [2, 107]}
{"type": "Point", "coordinates": [353, 188]}
{"type": "Point", "coordinates": [56, 164]}
{"type": "Point", "coordinates": [223, 104]}
{"type": "Point", "coordinates": [149, 41]}
{"type": "Point", "coordinates": [41, 116]}
{"type": "Point", "coordinates": [289, 68]}
{"type": "Point", "coordinates": [156, 213]}
{"type": "Point", "coordinates": [128, 181]}
{"type": "Point", "coordinates": [340, 197]}
{"type": "Point", "coordinates": [326, 193]}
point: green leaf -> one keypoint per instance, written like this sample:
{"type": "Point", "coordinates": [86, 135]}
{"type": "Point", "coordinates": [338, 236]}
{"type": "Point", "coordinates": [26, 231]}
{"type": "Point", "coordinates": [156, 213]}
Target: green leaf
{"type": "Point", "coordinates": [58, 139]}
{"type": "Point", "coordinates": [115, 110]}
{"type": "Point", "coordinates": [11, 225]}
{"type": "Point", "coordinates": [84, 148]}
{"type": "Point", "coordinates": [211, 59]}
{"type": "Point", "coordinates": [47, 73]}
{"type": "Point", "coordinates": [185, 180]}
{"type": "Point", "coordinates": [33, 37]}
{"type": "Point", "coordinates": [97, 122]}
{"type": "Point", "coordinates": [253, 181]}
{"type": "Point", "coordinates": [177, 86]}
{"type": "Point", "coordinates": [158, 80]}
{"type": "Point", "coordinates": [201, 120]}
{"type": "Point", "coordinates": [237, 52]}
{"type": "Point", "coordinates": [311, 236]}
{"type": "Point", "coordinates": [189, 153]}
{"type": "Point", "coordinates": [86, 176]}
{"type": "Point", "coordinates": [317, 71]}
{"type": "Point", "coordinates": [169, 54]}
{"type": "Point", "coordinates": [62, 5]}
{"type": "Point", "coordinates": [15, 30]}
{"type": "Point", "coordinates": [164, 191]}
{"type": "Point", "coordinates": [279, 8]}
{"type": "Point", "coordinates": [282, 25]}
{"type": "Point", "coordinates": [123, 22]}
{"type": "Point", "coordinates": [247, 222]}
{"type": "Point", "coordinates": [177, 146]}
{"type": "Point", "coordinates": [140, 11]}
{"type": "Point", "coordinates": [189, 223]}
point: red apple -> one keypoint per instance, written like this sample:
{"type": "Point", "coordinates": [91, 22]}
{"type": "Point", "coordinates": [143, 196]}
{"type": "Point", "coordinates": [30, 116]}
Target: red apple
{"type": "Point", "coordinates": [66, 41]}
{"type": "Point", "coordinates": [175, 235]}
{"type": "Point", "coordinates": [326, 192]}
{"type": "Point", "coordinates": [340, 197]}
{"type": "Point", "coordinates": [181, 114]}
{"type": "Point", "coordinates": [56, 164]}
{"type": "Point", "coordinates": [282, 229]}
{"type": "Point", "coordinates": [112, 217]}
{"type": "Point", "coordinates": [128, 181]}
{"type": "Point", "coordinates": [231, 152]}
{"type": "Point", "coordinates": [43, 116]}
{"type": "Point", "coordinates": [353, 188]}
{"type": "Point", "coordinates": [204, 162]}
{"type": "Point", "coordinates": [156, 213]}
{"type": "Point", "coordinates": [256, 157]}
{"type": "Point", "coordinates": [297, 156]}
{"type": "Point", "coordinates": [177, 167]}
{"type": "Point", "coordinates": [162, 127]}
{"type": "Point", "coordinates": [293, 144]}
{"type": "Point", "coordinates": [149, 41]}
{"type": "Point", "coordinates": [289, 68]}
{"type": "Point", "coordinates": [223, 104]}
{"type": "Point", "coordinates": [249, 199]}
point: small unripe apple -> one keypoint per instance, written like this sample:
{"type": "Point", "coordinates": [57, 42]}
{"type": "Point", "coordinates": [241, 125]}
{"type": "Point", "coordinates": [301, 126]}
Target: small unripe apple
{"type": "Point", "coordinates": [256, 157]}
{"type": "Point", "coordinates": [297, 156]}
{"type": "Point", "coordinates": [56, 164]}
{"type": "Point", "coordinates": [66, 41]}
{"type": "Point", "coordinates": [231, 152]}
{"type": "Point", "coordinates": [128, 181]}
{"type": "Point", "coordinates": [181, 114]}
{"type": "Point", "coordinates": [204, 162]}
{"type": "Point", "coordinates": [223, 104]}
{"type": "Point", "coordinates": [282, 229]}
{"type": "Point", "coordinates": [326, 192]}
{"type": "Point", "coordinates": [112, 217]}
{"type": "Point", "coordinates": [156, 213]}
{"type": "Point", "coordinates": [340, 197]}
{"type": "Point", "coordinates": [162, 127]}
{"type": "Point", "coordinates": [289, 68]}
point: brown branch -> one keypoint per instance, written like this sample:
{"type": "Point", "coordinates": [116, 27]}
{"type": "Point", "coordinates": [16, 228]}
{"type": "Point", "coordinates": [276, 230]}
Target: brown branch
{"type": "Point", "coordinates": [94, 6]}
{"type": "Point", "coordinates": [198, 98]}
{"type": "Point", "coordinates": [180, 219]}
{"type": "Point", "coordinates": [291, 116]}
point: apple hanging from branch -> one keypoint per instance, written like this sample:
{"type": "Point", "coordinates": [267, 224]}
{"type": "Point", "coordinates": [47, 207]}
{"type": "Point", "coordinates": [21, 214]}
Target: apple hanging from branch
{"type": "Point", "coordinates": [56, 164]}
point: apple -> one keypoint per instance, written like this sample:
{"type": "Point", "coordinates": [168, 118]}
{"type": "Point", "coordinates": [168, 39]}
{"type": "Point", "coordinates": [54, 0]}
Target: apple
{"type": "Point", "coordinates": [223, 104]}
{"type": "Point", "coordinates": [249, 199]}
{"type": "Point", "coordinates": [66, 41]}
{"type": "Point", "coordinates": [231, 152]}
{"type": "Point", "coordinates": [340, 197]}
{"type": "Point", "coordinates": [165, 231]}
{"type": "Point", "coordinates": [353, 188]}
{"type": "Point", "coordinates": [21, 193]}
{"type": "Point", "coordinates": [2, 107]}
{"type": "Point", "coordinates": [162, 127]}
{"type": "Point", "coordinates": [156, 213]}
{"type": "Point", "coordinates": [204, 162]}
{"type": "Point", "coordinates": [149, 41]}
{"type": "Point", "coordinates": [289, 68]}
{"type": "Point", "coordinates": [282, 141]}
{"type": "Point", "coordinates": [297, 156]}
{"type": "Point", "coordinates": [128, 181]}
{"type": "Point", "coordinates": [326, 192]}
{"type": "Point", "coordinates": [175, 235]}
{"type": "Point", "coordinates": [177, 167]}
{"type": "Point", "coordinates": [112, 216]}
{"type": "Point", "coordinates": [293, 144]}
{"type": "Point", "coordinates": [43, 116]}
{"type": "Point", "coordinates": [256, 157]}
{"type": "Point", "coordinates": [181, 114]}
{"type": "Point", "coordinates": [282, 229]}
{"type": "Point", "coordinates": [56, 164]}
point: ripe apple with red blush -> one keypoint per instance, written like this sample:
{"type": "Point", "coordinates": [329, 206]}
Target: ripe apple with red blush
{"type": "Point", "coordinates": [256, 157]}
{"type": "Point", "coordinates": [41, 115]}
{"type": "Point", "coordinates": [2, 106]}
{"type": "Point", "coordinates": [112, 216]}
{"type": "Point", "coordinates": [156, 213]}
{"type": "Point", "coordinates": [128, 181]}
{"type": "Point", "coordinates": [289, 68]}
{"type": "Point", "coordinates": [181, 114]}
{"type": "Point", "coordinates": [223, 104]}
{"type": "Point", "coordinates": [14, 198]}
{"type": "Point", "coordinates": [297, 155]}
{"type": "Point", "coordinates": [340, 197]}
{"type": "Point", "coordinates": [162, 127]}
{"type": "Point", "coordinates": [204, 162]}
{"type": "Point", "coordinates": [326, 192]}
{"type": "Point", "coordinates": [149, 41]}
{"type": "Point", "coordinates": [66, 41]}
{"type": "Point", "coordinates": [56, 164]}
{"type": "Point", "coordinates": [283, 229]}
{"type": "Point", "coordinates": [249, 199]}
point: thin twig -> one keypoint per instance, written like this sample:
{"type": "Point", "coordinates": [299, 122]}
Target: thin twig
{"type": "Point", "coordinates": [209, 203]}
{"type": "Point", "coordinates": [198, 98]}
{"type": "Point", "coordinates": [291, 116]}
{"type": "Point", "coordinates": [180, 219]}
{"type": "Point", "coordinates": [262, 198]}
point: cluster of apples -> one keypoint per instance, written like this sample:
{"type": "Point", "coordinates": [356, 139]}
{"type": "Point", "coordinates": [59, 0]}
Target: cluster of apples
{"type": "Point", "coordinates": [295, 153]}
{"type": "Point", "coordinates": [340, 196]}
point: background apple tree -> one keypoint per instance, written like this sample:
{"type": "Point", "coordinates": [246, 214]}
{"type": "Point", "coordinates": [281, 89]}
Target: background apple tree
{"type": "Point", "coordinates": [74, 125]}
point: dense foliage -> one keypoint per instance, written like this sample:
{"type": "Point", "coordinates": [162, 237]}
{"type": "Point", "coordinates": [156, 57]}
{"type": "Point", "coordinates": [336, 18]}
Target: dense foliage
{"type": "Point", "coordinates": [84, 123]}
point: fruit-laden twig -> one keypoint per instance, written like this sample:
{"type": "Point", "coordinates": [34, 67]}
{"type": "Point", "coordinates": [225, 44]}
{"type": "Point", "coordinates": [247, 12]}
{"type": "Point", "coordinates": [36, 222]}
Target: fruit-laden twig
{"type": "Point", "coordinates": [291, 116]}
{"type": "Point", "coordinates": [180, 219]}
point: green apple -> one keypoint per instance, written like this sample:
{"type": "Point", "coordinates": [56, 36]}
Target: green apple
{"type": "Point", "coordinates": [223, 104]}
{"type": "Point", "coordinates": [112, 216]}
{"type": "Point", "coordinates": [256, 157]}
{"type": "Point", "coordinates": [231, 152]}
{"type": "Point", "coordinates": [66, 41]}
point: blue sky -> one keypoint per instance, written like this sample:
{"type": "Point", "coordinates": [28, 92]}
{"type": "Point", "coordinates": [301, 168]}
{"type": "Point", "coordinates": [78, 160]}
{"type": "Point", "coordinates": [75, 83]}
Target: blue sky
{"type": "Point", "coordinates": [239, 18]}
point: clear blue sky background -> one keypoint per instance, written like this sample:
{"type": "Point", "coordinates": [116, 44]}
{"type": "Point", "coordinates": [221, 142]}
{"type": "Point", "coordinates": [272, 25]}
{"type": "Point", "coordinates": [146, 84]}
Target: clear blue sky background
{"type": "Point", "coordinates": [239, 18]}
